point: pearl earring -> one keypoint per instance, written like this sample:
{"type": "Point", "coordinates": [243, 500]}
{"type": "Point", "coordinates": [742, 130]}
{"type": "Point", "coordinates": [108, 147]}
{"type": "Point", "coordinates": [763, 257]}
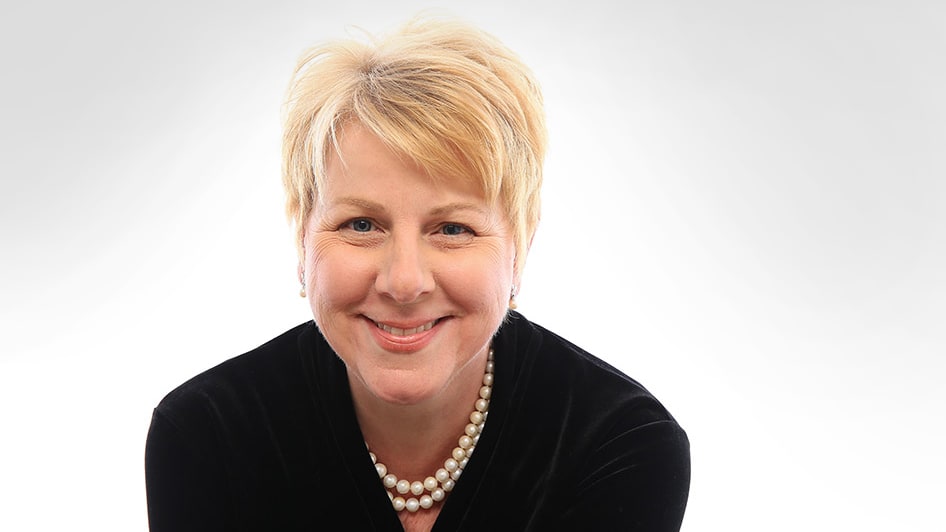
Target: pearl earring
{"type": "Point", "coordinates": [512, 298]}
{"type": "Point", "coordinates": [302, 288]}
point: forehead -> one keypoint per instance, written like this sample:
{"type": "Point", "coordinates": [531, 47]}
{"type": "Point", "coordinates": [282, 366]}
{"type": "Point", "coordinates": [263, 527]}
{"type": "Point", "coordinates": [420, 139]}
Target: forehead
{"type": "Point", "coordinates": [360, 159]}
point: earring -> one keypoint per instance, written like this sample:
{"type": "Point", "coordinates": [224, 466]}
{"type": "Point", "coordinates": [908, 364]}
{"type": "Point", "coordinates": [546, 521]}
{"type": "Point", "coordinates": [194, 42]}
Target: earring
{"type": "Point", "coordinates": [302, 288]}
{"type": "Point", "coordinates": [512, 298]}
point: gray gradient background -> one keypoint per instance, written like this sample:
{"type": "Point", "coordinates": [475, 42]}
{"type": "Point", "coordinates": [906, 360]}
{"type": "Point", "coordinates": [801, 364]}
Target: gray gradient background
{"type": "Point", "coordinates": [745, 210]}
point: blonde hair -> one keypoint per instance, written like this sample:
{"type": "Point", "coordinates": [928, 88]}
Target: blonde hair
{"type": "Point", "coordinates": [451, 98]}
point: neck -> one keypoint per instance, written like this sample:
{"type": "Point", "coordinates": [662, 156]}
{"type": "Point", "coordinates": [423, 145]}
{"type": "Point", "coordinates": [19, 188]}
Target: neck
{"type": "Point", "coordinates": [412, 440]}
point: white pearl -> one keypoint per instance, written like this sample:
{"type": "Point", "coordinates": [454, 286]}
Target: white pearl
{"type": "Point", "coordinates": [458, 454]}
{"type": "Point", "coordinates": [382, 470]}
{"type": "Point", "coordinates": [374, 459]}
{"type": "Point", "coordinates": [476, 417]}
{"type": "Point", "coordinates": [390, 495]}
{"type": "Point", "coordinates": [482, 404]}
{"type": "Point", "coordinates": [389, 481]}
{"type": "Point", "coordinates": [464, 462]}
{"type": "Point", "coordinates": [456, 474]}
{"type": "Point", "coordinates": [417, 487]}
{"type": "Point", "coordinates": [465, 442]}
{"type": "Point", "coordinates": [489, 367]}
{"type": "Point", "coordinates": [426, 502]}
{"type": "Point", "coordinates": [450, 465]}
{"type": "Point", "coordinates": [485, 392]}
{"type": "Point", "coordinates": [398, 503]}
{"type": "Point", "coordinates": [471, 430]}
{"type": "Point", "coordinates": [430, 483]}
{"type": "Point", "coordinates": [488, 379]}
{"type": "Point", "coordinates": [437, 495]}
{"type": "Point", "coordinates": [412, 505]}
{"type": "Point", "coordinates": [469, 452]}
{"type": "Point", "coordinates": [442, 474]}
{"type": "Point", "coordinates": [403, 486]}
{"type": "Point", "coordinates": [448, 484]}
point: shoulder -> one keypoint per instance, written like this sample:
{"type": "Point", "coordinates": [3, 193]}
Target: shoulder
{"type": "Point", "coordinates": [611, 455]}
{"type": "Point", "coordinates": [553, 360]}
{"type": "Point", "coordinates": [567, 386]}
{"type": "Point", "coordinates": [269, 370]}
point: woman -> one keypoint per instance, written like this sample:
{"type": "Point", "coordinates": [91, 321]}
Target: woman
{"type": "Point", "coordinates": [412, 172]}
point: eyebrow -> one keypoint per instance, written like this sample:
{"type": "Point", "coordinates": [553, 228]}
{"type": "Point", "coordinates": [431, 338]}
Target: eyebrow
{"type": "Point", "coordinates": [458, 206]}
{"type": "Point", "coordinates": [373, 206]}
{"type": "Point", "coordinates": [360, 203]}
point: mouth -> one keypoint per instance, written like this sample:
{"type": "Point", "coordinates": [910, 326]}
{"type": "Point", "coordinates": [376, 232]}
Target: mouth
{"type": "Point", "coordinates": [399, 331]}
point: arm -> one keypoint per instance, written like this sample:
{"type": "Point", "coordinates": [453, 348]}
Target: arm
{"type": "Point", "coordinates": [636, 481]}
{"type": "Point", "coordinates": [183, 484]}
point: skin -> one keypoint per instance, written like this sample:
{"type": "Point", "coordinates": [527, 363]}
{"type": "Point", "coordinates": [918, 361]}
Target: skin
{"type": "Point", "coordinates": [387, 244]}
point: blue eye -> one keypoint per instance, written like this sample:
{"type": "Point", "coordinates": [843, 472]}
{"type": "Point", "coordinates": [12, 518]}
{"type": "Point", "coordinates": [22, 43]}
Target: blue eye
{"type": "Point", "coordinates": [361, 225]}
{"type": "Point", "coordinates": [453, 229]}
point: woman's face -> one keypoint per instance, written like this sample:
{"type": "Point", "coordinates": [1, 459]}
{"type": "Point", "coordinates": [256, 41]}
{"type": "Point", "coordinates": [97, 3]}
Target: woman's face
{"type": "Point", "coordinates": [408, 277]}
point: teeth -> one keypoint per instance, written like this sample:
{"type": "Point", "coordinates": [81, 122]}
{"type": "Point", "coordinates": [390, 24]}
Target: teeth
{"type": "Point", "coordinates": [405, 332]}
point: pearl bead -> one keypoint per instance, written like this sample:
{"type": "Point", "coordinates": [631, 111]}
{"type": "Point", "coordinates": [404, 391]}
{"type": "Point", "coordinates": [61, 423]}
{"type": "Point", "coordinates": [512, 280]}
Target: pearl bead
{"type": "Point", "coordinates": [437, 495]}
{"type": "Point", "coordinates": [450, 465]}
{"type": "Point", "coordinates": [448, 484]}
{"type": "Point", "coordinates": [458, 454]}
{"type": "Point", "coordinates": [398, 503]}
{"type": "Point", "coordinates": [471, 430]}
{"type": "Point", "coordinates": [481, 404]}
{"type": "Point", "coordinates": [442, 474]}
{"type": "Point", "coordinates": [389, 481]}
{"type": "Point", "coordinates": [456, 474]}
{"type": "Point", "coordinates": [374, 459]}
{"type": "Point", "coordinates": [417, 487]}
{"type": "Point", "coordinates": [465, 442]}
{"type": "Point", "coordinates": [412, 505]}
{"type": "Point", "coordinates": [476, 417]}
{"type": "Point", "coordinates": [430, 483]}
{"type": "Point", "coordinates": [426, 501]}
{"type": "Point", "coordinates": [382, 470]}
{"type": "Point", "coordinates": [403, 486]}
{"type": "Point", "coordinates": [488, 379]}
{"type": "Point", "coordinates": [485, 392]}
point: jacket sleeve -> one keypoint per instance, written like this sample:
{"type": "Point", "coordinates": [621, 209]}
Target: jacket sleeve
{"type": "Point", "coordinates": [184, 484]}
{"type": "Point", "coordinates": [636, 481]}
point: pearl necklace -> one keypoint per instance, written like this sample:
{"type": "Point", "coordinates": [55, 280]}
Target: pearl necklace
{"type": "Point", "coordinates": [435, 488]}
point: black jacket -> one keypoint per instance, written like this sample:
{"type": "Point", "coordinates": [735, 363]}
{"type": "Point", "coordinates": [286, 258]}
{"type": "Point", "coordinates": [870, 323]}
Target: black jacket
{"type": "Point", "coordinates": [269, 441]}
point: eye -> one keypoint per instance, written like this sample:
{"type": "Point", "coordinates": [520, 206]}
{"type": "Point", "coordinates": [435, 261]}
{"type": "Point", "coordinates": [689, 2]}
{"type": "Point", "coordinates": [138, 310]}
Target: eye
{"type": "Point", "coordinates": [361, 225]}
{"type": "Point", "coordinates": [453, 229]}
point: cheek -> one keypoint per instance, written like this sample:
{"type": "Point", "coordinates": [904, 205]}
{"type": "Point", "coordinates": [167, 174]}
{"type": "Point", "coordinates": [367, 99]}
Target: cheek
{"type": "Point", "coordinates": [482, 281]}
{"type": "Point", "coordinates": [336, 278]}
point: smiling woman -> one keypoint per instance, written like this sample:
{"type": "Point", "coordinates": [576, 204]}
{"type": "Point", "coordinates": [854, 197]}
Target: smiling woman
{"type": "Point", "coordinates": [412, 172]}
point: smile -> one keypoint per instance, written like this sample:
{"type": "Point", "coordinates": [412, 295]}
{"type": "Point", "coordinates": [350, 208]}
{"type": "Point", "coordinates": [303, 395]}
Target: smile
{"type": "Point", "coordinates": [406, 332]}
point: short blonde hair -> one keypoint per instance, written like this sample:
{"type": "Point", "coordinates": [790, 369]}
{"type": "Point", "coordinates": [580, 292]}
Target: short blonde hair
{"type": "Point", "coordinates": [450, 97]}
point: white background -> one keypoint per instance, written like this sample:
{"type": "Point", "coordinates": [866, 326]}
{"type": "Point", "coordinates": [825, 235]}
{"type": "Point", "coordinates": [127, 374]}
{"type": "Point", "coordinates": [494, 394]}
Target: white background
{"type": "Point", "coordinates": [745, 210]}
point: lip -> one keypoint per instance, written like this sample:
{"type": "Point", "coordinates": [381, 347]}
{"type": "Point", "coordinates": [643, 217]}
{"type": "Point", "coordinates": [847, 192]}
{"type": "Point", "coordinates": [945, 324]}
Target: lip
{"type": "Point", "coordinates": [404, 337]}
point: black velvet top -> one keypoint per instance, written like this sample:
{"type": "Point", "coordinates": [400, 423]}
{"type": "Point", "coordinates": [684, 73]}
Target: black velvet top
{"type": "Point", "coordinates": [269, 441]}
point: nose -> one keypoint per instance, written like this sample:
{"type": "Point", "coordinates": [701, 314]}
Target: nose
{"type": "Point", "coordinates": [405, 275]}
